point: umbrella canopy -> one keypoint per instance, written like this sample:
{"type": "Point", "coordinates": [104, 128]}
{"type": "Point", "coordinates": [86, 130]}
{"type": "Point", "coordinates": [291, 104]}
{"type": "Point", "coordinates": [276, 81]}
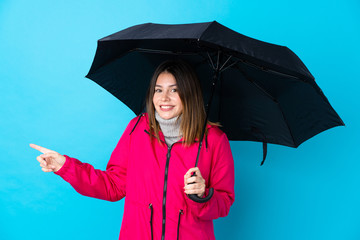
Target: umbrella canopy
{"type": "Point", "coordinates": [263, 91]}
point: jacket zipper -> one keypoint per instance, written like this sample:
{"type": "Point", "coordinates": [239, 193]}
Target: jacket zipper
{"type": "Point", "coordinates": [168, 155]}
{"type": "Point", "coordinates": [151, 220]}
{"type": "Point", "coordinates": [180, 213]}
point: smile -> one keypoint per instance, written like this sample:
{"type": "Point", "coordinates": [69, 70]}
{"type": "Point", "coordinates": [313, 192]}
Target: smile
{"type": "Point", "coordinates": [166, 108]}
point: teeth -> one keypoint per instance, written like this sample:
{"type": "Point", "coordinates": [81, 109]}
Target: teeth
{"type": "Point", "coordinates": [166, 107]}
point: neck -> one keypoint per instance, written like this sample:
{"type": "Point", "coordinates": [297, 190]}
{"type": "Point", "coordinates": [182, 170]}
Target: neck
{"type": "Point", "coordinates": [170, 128]}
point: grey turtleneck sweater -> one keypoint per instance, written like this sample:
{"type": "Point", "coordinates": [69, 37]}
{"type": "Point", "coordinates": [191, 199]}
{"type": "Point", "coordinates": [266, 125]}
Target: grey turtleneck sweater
{"type": "Point", "coordinates": [170, 128]}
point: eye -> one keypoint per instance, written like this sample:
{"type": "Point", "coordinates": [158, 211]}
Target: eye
{"type": "Point", "coordinates": [174, 90]}
{"type": "Point", "coordinates": [158, 90]}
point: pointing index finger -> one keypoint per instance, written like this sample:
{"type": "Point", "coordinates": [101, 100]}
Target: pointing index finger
{"type": "Point", "coordinates": [40, 149]}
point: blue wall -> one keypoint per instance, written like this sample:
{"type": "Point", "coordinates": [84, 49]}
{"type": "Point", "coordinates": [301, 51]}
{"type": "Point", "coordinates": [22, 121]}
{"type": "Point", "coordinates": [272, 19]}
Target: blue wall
{"type": "Point", "coordinates": [46, 49]}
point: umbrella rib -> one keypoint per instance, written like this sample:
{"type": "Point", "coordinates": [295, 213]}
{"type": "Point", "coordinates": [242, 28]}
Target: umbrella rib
{"type": "Point", "coordinates": [291, 134]}
{"type": "Point", "coordinates": [255, 84]}
{"type": "Point", "coordinates": [270, 96]}
{"type": "Point", "coordinates": [230, 65]}
{"type": "Point", "coordinates": [221, 68]}
{"type": "Point", "coordinates": [212, 64]}
{"type": "Point", "coordinates": [160, 51]}
{"type": "Point", "coordinates": [217, 62]}
{"type": "Point", "coordinates": [140, 50]}
{"type": "Point", "coordinates": [269, 70]}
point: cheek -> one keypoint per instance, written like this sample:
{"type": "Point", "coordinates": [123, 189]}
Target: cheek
{"type": "Point", "coordinates": [154, 99]}
{"type": "Point", "coordinates": [154, 104]}
{"type": "Point", "coordinates": [180, 103]}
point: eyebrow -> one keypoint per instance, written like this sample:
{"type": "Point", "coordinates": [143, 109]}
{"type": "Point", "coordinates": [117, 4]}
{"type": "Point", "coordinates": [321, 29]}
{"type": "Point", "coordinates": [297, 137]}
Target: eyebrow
{"type": "Point", "coordinates": [173, 85]}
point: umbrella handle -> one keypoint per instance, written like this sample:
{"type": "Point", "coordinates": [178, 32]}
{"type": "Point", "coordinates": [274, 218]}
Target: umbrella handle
{"type": "Point", "coordinates": [196, 198]}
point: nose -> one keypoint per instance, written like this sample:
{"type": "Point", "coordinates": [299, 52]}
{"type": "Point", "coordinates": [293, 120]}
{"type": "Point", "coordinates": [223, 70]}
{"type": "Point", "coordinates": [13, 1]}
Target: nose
{"type": "Point", "coordinates": [165, 96]}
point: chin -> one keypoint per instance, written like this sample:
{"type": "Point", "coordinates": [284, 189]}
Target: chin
{"type": "Point", "coordinates": [167, 117]}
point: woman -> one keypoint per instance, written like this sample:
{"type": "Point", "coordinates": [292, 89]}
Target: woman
{"type": "Point", "coordinates": [152, 164]}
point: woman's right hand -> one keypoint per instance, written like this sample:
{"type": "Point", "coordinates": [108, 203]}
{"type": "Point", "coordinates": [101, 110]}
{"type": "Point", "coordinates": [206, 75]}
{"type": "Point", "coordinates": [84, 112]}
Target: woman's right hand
{"type": "Point", "coordinates": [50, 161]}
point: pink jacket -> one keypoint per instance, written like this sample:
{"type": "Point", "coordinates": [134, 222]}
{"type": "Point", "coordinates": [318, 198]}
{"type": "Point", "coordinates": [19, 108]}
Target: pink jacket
{"type": "Point", "coordinates": [151, 176]}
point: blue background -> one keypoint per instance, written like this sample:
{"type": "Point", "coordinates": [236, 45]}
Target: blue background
{"type": "Point", "coordinates": [46, 49]}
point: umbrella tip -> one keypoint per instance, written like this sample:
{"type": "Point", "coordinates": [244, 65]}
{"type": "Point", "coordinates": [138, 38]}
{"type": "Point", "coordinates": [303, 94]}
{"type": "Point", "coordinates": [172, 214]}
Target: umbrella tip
{"type": "Point", "coordinates": [264, 153]}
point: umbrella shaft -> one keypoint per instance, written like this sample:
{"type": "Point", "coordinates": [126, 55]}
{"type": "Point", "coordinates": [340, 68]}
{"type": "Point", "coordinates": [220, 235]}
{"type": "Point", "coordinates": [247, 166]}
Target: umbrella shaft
{"type": "Point", "coordinates": [215, 80]}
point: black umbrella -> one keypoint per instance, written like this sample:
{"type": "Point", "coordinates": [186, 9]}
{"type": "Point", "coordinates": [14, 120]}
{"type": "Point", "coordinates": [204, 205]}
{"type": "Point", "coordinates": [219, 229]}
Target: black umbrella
{"type": "Point", "coordinates": [261, 91]}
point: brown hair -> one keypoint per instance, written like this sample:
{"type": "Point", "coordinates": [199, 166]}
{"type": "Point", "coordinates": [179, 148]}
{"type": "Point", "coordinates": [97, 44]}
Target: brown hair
{"type": "Point", "coordinates": [188, 86]}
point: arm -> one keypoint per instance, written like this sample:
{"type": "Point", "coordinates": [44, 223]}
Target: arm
{"type": "Point", "coordinates": [222, 180]}
{"type": "Point", "coordinates": [107, 185]}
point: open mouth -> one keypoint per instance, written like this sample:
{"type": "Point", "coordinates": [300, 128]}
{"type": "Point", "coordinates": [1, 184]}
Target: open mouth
{"type": "Point", "coordinates": [166, 107]}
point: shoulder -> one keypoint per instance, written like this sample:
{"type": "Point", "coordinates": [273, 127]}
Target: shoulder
{"type": "Point", "coordinates": [215, 134]}
{"type": "Point", "coordinates": [218, 142]}
{"type": "Point", "coordinates": [140, 121]}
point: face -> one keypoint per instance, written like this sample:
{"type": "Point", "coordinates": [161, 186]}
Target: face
{"type": "Point", "coordinates": [166, 98]}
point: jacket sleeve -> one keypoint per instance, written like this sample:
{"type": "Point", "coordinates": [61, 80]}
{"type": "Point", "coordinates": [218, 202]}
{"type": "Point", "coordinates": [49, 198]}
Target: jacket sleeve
{"type": "Point", "coordinates": [108, 185]}
{"type": "Point", "coordinates": [222, 178]}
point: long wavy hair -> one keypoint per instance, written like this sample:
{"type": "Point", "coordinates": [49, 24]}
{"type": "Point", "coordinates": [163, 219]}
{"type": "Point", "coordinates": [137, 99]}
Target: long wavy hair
{"type": "Point", "coordinates": [188, 86]}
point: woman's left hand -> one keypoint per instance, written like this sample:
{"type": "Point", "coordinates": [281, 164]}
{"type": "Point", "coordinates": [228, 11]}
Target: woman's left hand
{"type": "Point", "coordinates": [195, 184]}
